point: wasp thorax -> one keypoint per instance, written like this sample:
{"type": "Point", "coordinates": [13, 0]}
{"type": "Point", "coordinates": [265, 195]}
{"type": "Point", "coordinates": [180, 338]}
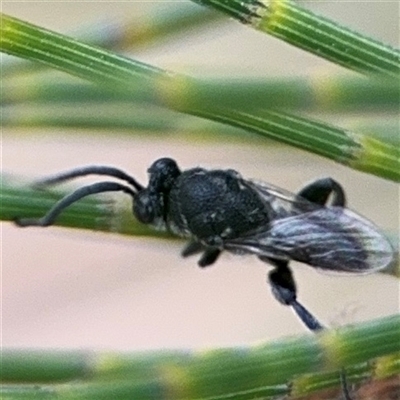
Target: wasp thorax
{"type": "Point", "coordinates": [147, 206]}
{"type": "Point", "coordinates": [163, 173]}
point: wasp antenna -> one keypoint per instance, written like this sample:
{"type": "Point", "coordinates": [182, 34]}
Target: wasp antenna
{"type": "Point", "coordinates": [89, 170]}
{"type": "Point", "coordinates": [66, 201]}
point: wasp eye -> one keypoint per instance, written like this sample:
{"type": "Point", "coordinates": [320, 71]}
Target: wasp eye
{"type": "Point", "coordinates": [146, 207]}
{"type": "Point", "coordinates": [163, 173]}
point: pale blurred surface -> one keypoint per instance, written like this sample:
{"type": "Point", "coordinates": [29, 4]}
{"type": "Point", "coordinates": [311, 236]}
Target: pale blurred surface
{"type": "Point", "coordinates": [66, 288]}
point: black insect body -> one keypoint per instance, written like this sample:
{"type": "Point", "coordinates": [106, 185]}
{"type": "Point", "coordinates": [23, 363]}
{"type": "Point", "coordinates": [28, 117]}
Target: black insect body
{"type": "Point", "coordinates": [214, 206]}
{"type": "Point", "coordinates": [218, 210]}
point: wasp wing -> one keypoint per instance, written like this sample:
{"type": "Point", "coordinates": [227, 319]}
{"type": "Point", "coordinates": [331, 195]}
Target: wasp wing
{"type": "Point", "coordinates": [330, 238]}
{"type": "Point", "coordinates": [282, 202]}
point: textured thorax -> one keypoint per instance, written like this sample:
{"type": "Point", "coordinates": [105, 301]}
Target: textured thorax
{"type": "Point", "coordinates": [214, 205]}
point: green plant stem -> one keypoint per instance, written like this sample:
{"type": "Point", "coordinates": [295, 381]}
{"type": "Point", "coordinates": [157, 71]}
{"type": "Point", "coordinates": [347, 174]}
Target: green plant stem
{"type": "Point", "coordinates": [117, 118]}
{"type": "Point", "coordinates": [69, 55]}
{"type": "Point", "coordinates": [296, 25]}
{"type": "Point", "coordinates": [241, 373]}
{"type": "Point", "coordinates": [386, 388]}
{"type": "Point", "coordinates": [102, 213]}
{"type": "Point", "coordinates": [155, 27]}
{"type": "Point", "coordinates": [122, 74]}
{"type": "Point", "coordinates": [110, 117]}
{"type": "Point", "coordinates": [349, 148]}
{"type": "Point", "coordinates": [342, 94]}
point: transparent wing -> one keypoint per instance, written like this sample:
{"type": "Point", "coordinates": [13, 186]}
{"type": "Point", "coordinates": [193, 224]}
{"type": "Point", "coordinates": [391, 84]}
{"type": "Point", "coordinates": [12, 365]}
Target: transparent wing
{"type": "Point", "coordinates": [330, 238]}
{"type": "Point", "coordinates": [283, 202]}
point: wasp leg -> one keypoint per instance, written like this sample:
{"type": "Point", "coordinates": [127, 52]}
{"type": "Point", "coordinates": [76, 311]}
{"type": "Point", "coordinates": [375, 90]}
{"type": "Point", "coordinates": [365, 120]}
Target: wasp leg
{"type": "Point", "coordinates": [284, 290]}
{"type": "Point", "coordinates": [193, 247]}
{"type": "Point", "coordinates": [65, 202]}
{"type": "Point", "coordinates": [209, 256]}
{"type": "Point", "coordinates": [319, 191]}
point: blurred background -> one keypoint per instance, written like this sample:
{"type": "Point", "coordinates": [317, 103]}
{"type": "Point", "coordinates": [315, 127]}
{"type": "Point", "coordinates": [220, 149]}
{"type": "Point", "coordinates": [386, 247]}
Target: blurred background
{"type": "Point", "coordinates": [64, 288]}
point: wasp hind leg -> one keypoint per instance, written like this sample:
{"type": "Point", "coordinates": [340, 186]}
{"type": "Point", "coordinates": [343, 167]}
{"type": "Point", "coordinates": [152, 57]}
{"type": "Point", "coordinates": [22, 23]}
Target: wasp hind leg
{"type": "Point", "coordinates": [284, 290]}
{"type": "Point", "coordinates": [319, 191]}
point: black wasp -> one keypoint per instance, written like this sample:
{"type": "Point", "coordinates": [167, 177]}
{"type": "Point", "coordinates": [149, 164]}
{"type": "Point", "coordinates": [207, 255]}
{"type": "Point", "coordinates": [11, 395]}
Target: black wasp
{"type": "Point", "coordinates": [218, 210]}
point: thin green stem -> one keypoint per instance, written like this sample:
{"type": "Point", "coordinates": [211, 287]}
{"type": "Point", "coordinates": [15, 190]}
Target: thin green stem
{"type": "Point", "coordinates": [296, 25]}
{"type": "Point", "coordinates": [103, 212]}
{"type": "Point", "coordinates": [349, 148]}
{"type": "Point", "coordinates": [164, 88]}
{"type": "Point", "coordinates": [342, 94]}
{"type": "Point", "coordinates": [117, 118]}
{"type": "Point", "coordinates": [262, 371]}
{"type": "Point", "coordinates": [159, 25]}
{"type": "Point", "coordinates": [72, 56]}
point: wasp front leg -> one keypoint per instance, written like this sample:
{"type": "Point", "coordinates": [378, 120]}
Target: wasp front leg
{"type": "Point", "coordinates": [209, 256]}
{"type": "Point", "coordinates": [193, 247]}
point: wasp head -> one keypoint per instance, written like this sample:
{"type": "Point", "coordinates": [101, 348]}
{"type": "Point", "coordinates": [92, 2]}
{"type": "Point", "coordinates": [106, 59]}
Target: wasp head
{"type": "Point", "coordinates": [149, 204]}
